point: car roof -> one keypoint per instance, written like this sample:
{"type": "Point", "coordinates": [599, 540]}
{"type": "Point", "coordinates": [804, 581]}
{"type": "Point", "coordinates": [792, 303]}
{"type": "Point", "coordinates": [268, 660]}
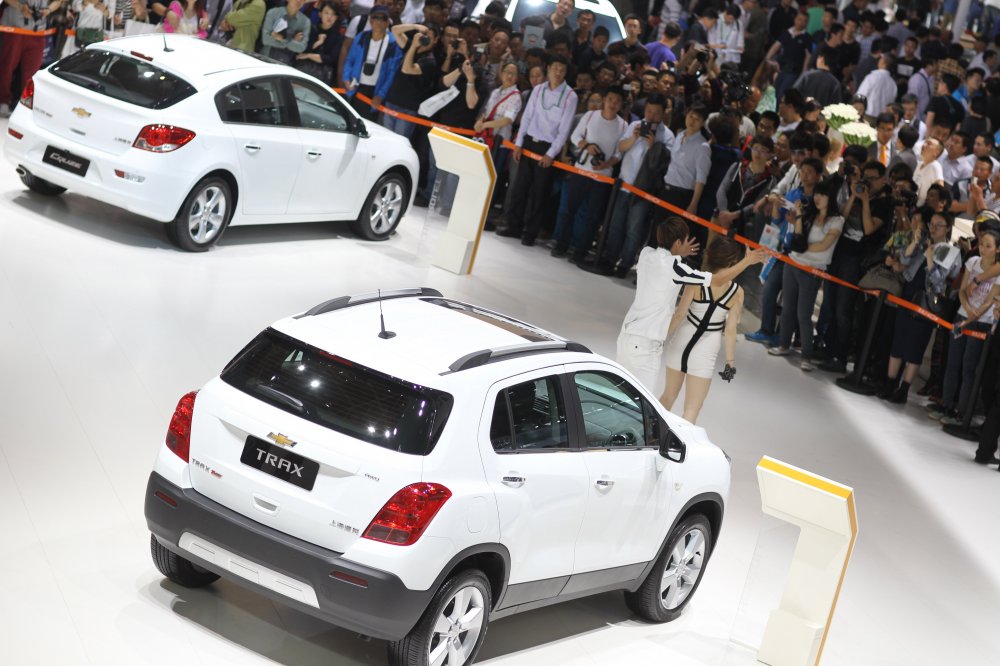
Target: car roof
{"type": "Point", "coordinates": [188, 56]}
{"type": "Point", "coordinates": [436, 339]}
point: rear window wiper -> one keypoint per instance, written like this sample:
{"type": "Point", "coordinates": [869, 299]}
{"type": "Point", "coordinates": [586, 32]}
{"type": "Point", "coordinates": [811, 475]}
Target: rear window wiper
{"type": "Point", "coordinates": [281, 397]}
{"type": "Point", "coordinates": [82, 80]}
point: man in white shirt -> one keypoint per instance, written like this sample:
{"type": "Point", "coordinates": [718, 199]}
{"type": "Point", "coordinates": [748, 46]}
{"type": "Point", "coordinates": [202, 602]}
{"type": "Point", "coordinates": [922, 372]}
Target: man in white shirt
{"type": "Point", "coordinates": [909, 104]}
{"type": "Point", "coordinates": [982, 147]}
{"type": "Point", "coordinates": [879, 87]}
{"type": "Point", "coordinates": [954, 166]}
{"type": "Point", "coordinates": [596, 137]}
{"type": "Point", "coordinates": [661, 274]}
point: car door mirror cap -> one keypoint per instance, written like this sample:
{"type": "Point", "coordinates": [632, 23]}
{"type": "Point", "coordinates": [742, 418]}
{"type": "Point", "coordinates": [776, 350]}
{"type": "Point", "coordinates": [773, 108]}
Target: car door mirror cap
{"type": "Point", "coordinates": [672, 447]}
{"type": "Point", "coordinates": [360, 128]}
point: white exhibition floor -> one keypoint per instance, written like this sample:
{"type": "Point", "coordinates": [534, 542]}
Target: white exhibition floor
{"type": "Point", "coordinates": [103, 326]}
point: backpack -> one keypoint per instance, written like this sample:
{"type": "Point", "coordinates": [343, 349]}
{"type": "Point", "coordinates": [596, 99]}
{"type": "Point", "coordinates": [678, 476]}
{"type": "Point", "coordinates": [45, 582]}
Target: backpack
{"type": "Point", "coordinates": [653, 168]}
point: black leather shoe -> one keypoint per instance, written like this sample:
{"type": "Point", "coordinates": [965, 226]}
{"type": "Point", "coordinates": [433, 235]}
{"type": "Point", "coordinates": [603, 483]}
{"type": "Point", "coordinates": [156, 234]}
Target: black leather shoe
{"type": "Point", "coordinates": [559, 251]}
{"type": "Point", "coordinates": [833, 365]}
{"type": "Point", "coordinates": [992, 461]}
{"type": "Point", "coordinates": [508, 232]}
{"type": "Point", "coordinates": [898, 396]}
{"type": "Point", "coordinates": [527, 242]}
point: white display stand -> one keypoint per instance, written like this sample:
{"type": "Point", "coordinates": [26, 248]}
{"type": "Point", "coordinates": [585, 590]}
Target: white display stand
{"type": "Point", "coordinates": [472, 163]}
{"type": "Point", "coordinates": [824, 510]}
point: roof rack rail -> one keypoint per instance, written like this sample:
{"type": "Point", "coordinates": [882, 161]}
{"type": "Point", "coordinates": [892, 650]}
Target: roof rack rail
{"type": "Point", "coordinates": [485, 356]}
{"type": "Point", "coordinates": [360, 299]}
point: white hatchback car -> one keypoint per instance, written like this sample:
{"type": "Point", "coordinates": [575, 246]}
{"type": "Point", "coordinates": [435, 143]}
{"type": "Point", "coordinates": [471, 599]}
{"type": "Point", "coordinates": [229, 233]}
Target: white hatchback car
{"type": "Point", "coordinates": [200, 136]}
{"type": "Point", "coordinates": [411, 485]}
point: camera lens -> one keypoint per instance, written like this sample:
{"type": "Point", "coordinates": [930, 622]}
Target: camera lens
{"type": "Point", "coordinates": [454, 44]}
{"type": "Point", "coordinates": [425, 40]}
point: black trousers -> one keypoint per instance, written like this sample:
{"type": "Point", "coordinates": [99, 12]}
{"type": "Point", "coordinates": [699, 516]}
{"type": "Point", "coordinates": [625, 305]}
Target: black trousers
{"type": "Point", "coordinates": [531, 187]}
{"type": "Point", "coordinates": [990, 392]}
{"type": "Point", "coordinates": [363, 108]}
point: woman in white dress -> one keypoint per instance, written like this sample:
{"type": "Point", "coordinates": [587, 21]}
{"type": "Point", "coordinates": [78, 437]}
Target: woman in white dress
{"type": "Point", "coordinates": [705, 318]}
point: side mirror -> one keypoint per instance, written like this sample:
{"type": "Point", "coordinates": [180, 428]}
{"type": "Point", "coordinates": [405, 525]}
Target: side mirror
{"type": "Point", "coordinates": [360, 129]}
{"type": "Point", "coordinates": [672, 448]}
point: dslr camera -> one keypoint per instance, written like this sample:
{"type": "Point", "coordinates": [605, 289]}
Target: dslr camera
{"type": "Point", "coordinates": [703, 53]}
{"type": "Point", "coordinates": [425, 40]}
{"type": "Point", "coordinates": [905, 198]}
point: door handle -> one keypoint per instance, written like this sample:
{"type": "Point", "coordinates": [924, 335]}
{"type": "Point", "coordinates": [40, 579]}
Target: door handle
{"type": "Point", "coordinates": [250, 148]}
{"type": "Point", "coordinates": [514, 481]}
{"type": "Point", "coordinates": [604, 483]}
{"type": "Point", "coordinates": [314, 153]}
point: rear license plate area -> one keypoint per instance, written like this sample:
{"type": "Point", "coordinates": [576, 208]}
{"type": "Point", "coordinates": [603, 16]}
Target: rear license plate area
{"type": "Point", "coordinates": [279, 462]}
{"type": "Point", "coordinates": [66, 160]}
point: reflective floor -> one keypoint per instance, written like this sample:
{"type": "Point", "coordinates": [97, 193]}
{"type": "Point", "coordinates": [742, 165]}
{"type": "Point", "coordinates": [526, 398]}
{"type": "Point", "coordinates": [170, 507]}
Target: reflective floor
{"type": "Point", "coordinates": [103, 326]}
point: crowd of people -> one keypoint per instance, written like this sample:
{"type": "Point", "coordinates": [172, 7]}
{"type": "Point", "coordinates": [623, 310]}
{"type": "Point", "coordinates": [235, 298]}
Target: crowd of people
{"type": "Point", "coordinates": [715, 108]}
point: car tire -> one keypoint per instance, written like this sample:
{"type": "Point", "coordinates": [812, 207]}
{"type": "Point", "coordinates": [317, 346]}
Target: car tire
{"type": "Point", "coordinates": [383, 208]}
{"type": "Point", "coordinates": [183, 572]}
{"type": "Point", "coordinates": [446, 625]}
{"type": "Point", "coordinates": [39, 186]}
{"type": "Point", "coordinates": [203, 216]}
{"type": "Point", "coordinates": [677, 573]}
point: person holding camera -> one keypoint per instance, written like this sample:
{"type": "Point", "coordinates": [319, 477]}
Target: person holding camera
{"type": "Point", "coordinates": [596, 137]}
{"type": "Point", "coordinates": [372, 63]}
{"type": "Point", "coordinates": [416, 77]}
{"type": "Point", "coordinates": [816, 228]}
{"type": "Point", "coordinates": [285, 32]}
{"type": "Point", "coordinates": [19, 51]}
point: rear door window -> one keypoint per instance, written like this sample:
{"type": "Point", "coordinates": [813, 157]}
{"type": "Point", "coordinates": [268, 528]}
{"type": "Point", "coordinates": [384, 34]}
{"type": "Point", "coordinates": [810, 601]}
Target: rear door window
{"type": "Point", "coordinates": [124, 78]}
{"type": "Point", "coordinates": [339, 394]}
{"type": "Point", "coordinates": [254, 102]}
{"type": "Point", "coordinates": [530, 416]}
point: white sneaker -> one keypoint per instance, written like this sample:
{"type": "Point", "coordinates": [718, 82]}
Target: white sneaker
{"type": "Point", "coordinates": [778, 351]}
{"type": "Point", "coordinates": [5, 111]}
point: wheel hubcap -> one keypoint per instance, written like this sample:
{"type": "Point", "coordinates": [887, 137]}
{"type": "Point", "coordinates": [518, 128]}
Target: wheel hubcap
{"type": "Point", "coordinates": [207, 214]}
{"type": "Point", "coordinates": [457, 629]}
{"type": "Point", "coordinates": [386, 207]}
{"type": "Point", "coordinates": [684, 565]}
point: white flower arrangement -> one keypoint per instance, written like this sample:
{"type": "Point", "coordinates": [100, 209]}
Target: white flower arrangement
{"type": "Point", "coordinates": [838, 115]}
{"type": "Point", "coordinates": [860, 134]}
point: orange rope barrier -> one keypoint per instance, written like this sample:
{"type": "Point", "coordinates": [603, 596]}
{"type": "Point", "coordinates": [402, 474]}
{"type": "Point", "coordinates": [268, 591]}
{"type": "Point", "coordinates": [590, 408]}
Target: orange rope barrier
{"type": "Point", "coordinates": [896, 300]}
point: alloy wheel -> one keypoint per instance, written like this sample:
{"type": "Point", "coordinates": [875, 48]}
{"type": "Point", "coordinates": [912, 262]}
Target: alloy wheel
{"type": "Point", "coordinates": [386, 207]}
{"type": "Point", "coordinates": [457, 628]}
{"type": "Point", "coordinates": [207, 214]}
{"type": "Point", "coordinates": [683, 569]}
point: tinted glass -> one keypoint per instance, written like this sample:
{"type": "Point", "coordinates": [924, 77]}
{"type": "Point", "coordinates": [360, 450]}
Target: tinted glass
{"type": "Point", "coordinates": [500, 432]}
{"type": "Point", "coordinates": [613, 411]}
{"type": "Point", "coordinates": [124, 78]}
{"type": "Point", "coordinates": [537, 415]}
{"type": "Point", "coordinates": [256, 102]}
{"type": "Point", "coordinates": [318, 110]}
{"type": "Point", "coordinates": [339, 394]}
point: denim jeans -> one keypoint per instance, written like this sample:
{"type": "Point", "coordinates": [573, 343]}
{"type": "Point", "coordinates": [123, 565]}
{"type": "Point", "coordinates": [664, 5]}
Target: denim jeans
{"type": "Point", "coordinates": [769, 299]}
{"type": "Point", "coordinates": [400, 127]}
{"type": "Point", "coordinates": [627, 231]}
{"type": "Point", "coordinates": [798, 300]}
{"type": "Point", "coordinates": [963, 357]}
{"type": "Point", "coordinates": [571, 230]}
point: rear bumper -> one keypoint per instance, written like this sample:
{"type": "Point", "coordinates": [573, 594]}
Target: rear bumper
{"type": "Point", "coordinates": [159, 196]}
{"type": "Point", "coordinates": [385, 609]}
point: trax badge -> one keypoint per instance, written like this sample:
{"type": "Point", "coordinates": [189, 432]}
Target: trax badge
{"type": "Point", "coordinates": [279, 463]}
{"type": "Point", "coordinates": [281, 440]}
{"type": "Point", "coordinates": [81, 112]}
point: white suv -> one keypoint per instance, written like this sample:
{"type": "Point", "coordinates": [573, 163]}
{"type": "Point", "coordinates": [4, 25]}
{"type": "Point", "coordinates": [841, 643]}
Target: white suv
{"type": "Point", "coordinates": [413, 484]}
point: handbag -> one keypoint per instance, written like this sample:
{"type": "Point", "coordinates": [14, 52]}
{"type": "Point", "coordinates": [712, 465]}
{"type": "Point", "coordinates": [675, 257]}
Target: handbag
{"type": "Point", "coordinates": [435, 103]}
{"type": "Point", "coordinates": [882, 278]}
{"type": "Point", "coordinates": [487, 136]}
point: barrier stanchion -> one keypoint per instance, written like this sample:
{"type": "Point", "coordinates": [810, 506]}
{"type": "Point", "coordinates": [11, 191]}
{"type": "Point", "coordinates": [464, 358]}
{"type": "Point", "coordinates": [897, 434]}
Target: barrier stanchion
{"type": "Point", "coordinates": [855, 382]}
{"type": "Point", "coordinates": [605, 227]}
{"type": "Point", "coordinates": [964, 430]}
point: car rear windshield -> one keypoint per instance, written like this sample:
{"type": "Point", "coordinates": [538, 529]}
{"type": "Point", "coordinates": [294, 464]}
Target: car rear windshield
{"type": "Point", "coordinates": [123, 77]}
{"type": "Point", "coordinates": [339, 394]}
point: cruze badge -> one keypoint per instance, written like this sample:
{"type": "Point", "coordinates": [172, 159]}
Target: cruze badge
{"type": "Point", "coordinates": [81, 112]}
{"type": "Point", "coordinates": [281, 440]}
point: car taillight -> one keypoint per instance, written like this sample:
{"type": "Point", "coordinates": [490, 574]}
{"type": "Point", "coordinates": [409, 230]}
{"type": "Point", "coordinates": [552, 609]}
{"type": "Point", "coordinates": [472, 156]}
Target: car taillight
{"type": "Point", "coordinates": [28, 94]}
{"type": "Point", "coordinates": [162, 138]}
{"type": "Point", "coordinates": [407, 514]}
{"type": "Point", "coordinates": [179, 430]}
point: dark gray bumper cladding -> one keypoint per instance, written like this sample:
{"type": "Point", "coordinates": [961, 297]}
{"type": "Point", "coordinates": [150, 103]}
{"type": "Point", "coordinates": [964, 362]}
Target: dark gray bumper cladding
{"type": "Point", "coordinates": [385, 609]}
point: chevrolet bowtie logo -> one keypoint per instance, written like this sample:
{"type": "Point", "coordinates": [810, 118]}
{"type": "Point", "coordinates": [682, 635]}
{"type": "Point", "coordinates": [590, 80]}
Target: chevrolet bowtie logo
{"type": "Point", "coordinates": [81, 112]}
{"type": "Point", "coordinates": [280, 439]}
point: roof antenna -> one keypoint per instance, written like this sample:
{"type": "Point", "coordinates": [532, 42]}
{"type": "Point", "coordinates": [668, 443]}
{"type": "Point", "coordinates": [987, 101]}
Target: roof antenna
{"type": "Point", "coordinates": [384, 334]}
{"type": "Point", "coordinates": [166, 48]}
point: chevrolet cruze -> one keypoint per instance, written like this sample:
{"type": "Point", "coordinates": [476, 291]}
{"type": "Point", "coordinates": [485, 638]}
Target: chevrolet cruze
{"type": "Point", "coordinates": [200, 136]}
{"type": "Point", "coordinates": [415, 480]}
